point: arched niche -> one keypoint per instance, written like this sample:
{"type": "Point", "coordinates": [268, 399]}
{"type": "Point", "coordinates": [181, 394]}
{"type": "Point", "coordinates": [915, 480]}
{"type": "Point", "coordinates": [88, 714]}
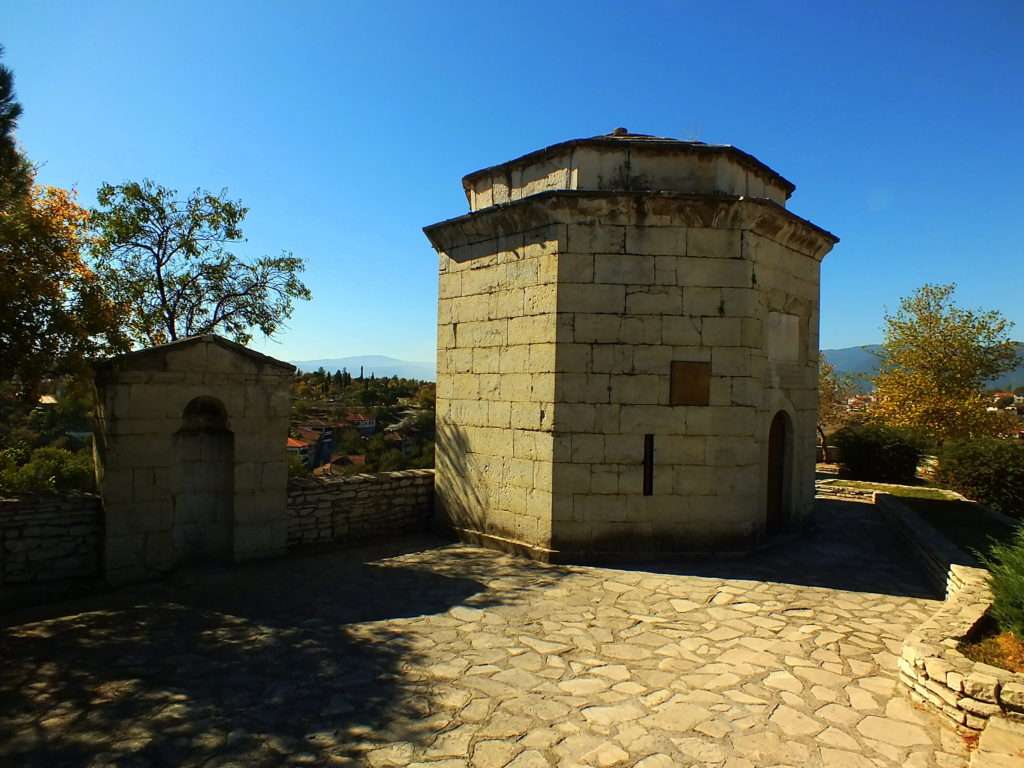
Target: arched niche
{"type": "Point", "coordinates": [203, 483]}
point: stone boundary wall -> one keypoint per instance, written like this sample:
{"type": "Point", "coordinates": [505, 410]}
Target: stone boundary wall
{"type": "Point", "coordinates": [326, 510]}
{"type": "Point", "coordinates": [49, 537]}
{"type": "Point", "coordinates": [970, 695]}
{"type": "Point", "coordinates": [949, 568]}
{"type": "Point", "coordinates": [826, 489]}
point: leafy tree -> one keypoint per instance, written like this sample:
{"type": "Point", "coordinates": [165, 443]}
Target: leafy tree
{"type": "Point", "coordinates": [166, 259]}
{"type": "Point", "coordinates": [426, 395]}
{"type": "Point", "coordinates": [988, 470]}
{"type": "Point", "coordinates": [46, 469]}
{"type": "Point", "coordinates": [833, 392]}
{"type": "Point", "coordinates": [15, 171]}
{"type": "Point", "coordinates": [54, 312]}
{"type": "Point", "coordinates": [936, 359]}
{"type": "Point", "coordinates": [390, 461]}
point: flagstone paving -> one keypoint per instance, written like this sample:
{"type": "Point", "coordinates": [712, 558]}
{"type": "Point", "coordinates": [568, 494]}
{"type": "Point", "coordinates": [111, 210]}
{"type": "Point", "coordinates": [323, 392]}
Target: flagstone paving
{"type": "Point", "coordinates": [456, 657]}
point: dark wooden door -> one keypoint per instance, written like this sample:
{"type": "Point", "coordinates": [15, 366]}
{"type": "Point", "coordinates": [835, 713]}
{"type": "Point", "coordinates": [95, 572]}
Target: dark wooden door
{"type": "Point", "coordinates": [777, 474]}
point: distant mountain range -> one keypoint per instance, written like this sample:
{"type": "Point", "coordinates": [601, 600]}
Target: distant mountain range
{"type": "Point", "coordinates": [380, 366]}
{"type": "Point", "coordinates": [863, 362]}
{"type": "Point", "coordinates": [849, 361]}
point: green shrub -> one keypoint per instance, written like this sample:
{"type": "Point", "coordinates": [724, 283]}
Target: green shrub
{"type": "Point", "coordinates": [297, 467]}
{"type": "Point", "coordinates": [875, 452]}
{"type": "Point", "coordinates": [47, 469]}
{"type": "Point", "coordinates": [988, 470]}
{"type": "Point", "coordinates": [1006, 564]}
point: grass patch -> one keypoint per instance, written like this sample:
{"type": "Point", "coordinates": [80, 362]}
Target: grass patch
{"type": "Point", "coordinates": [904, 491]}
{"type": "Point", "coordinates": [962, 523]}
{"type": "Point", "coordinates": [990, 646]}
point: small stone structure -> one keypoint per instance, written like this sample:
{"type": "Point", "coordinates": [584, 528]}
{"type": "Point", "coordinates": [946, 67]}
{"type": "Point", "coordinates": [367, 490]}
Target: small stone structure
{"type": "Point", "coordinates": [627, 351]}
{"type": "Point", "coordinates": [46, 538]}
{"type": "Point", "coordinates": [49, 537]}
{"type": "Point", "coordinates": [190, 455]}
{"type": "Point", "coordinates": [332, 510]}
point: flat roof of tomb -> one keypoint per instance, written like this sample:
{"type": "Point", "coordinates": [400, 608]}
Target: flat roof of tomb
{"type": "Point", "coordinates": [620, 136]}
{"type": "Point", "coordinates": [139, 355]}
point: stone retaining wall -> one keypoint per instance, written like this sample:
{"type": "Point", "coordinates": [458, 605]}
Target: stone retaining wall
{"type": "Point", "coordinates": [358, 508]}
{"type": "Point", "coordinates": [827, 489]}
{"type": "Point", "coordinates": [947, 566]}
{"type": "Point", "coordinates": [49, 538]}
{"type": "Point", "coordinates": [972, 696]}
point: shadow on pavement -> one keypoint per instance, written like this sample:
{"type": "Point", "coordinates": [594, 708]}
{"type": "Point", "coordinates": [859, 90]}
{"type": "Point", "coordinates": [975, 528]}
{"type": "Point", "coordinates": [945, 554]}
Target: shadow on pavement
{"type": "Point", "coordinates": [844, 545]}
{"type": "Point", "coordinates": [240, 666]}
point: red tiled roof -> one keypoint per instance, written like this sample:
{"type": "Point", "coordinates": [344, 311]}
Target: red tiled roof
{"type": "Point", "coordinates": [293, 443]}
{"type": "Point", "coordinates": [308, 435]}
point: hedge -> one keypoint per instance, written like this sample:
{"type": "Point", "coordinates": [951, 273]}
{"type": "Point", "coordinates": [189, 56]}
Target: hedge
{"type": "Point", "coordinates": [988, 470]}
{"type": "Point", "coordinates": [876, 452]}
{"type": "Point", "coordinates": [45, 469]}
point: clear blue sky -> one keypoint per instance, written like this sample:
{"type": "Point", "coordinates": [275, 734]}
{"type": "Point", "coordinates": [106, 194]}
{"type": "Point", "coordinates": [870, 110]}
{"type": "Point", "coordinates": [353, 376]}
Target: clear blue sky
{"type": "Point", "coordinates": [346, 127]}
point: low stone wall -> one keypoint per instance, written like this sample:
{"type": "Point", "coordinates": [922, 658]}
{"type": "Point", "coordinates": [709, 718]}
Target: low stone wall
{"type": "Point", "coordinates": [828, 489]}
{"type": "Point", "coordinates": [972, 696]}
{"type": "Point", "coordinates": [358, 508]}
{"type": "Point", "coordinates": [45, 538]}
{"type": "Point", "coordinates": [967, 692]}
{"type": "Point", "coordinates": [947, 566]}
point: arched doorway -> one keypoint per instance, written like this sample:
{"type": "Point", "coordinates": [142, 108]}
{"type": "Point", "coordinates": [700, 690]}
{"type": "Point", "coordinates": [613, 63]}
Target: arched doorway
{"type": "Point", "coordinates": [204, 483]}
{"type": "Point", "coordinates": [779, 463]}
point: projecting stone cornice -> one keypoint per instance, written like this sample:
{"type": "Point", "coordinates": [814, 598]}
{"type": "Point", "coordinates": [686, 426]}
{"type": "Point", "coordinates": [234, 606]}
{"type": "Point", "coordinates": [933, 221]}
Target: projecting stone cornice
{"type": "Point", "coordinates": [642, 208]}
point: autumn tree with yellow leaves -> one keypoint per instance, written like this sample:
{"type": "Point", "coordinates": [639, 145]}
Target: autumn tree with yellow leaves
{"type": "Point", "coordinates": [936, 360]}
{"type": "Point", "coordinates": [53, 311]}
{"type": "Point", "coordinates": [833, 391]}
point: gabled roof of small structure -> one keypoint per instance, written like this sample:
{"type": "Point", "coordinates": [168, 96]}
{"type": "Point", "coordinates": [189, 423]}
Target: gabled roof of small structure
{"type": "Point", "coordinates": [209, 338]}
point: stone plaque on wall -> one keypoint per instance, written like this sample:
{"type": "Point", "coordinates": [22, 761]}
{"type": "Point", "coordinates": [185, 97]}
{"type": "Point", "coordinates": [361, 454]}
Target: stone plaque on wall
{"type": "Point", "coordinates": [690, 383]}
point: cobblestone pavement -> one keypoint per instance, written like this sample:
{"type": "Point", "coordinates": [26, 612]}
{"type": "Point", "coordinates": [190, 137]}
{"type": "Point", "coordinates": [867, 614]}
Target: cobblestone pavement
{"type": "Point", "coordinates": [452, 656]}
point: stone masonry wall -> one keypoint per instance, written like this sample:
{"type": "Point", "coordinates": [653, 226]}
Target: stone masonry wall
{"type": "Point", "coordinates": [787, 277]}
{"type": "Point", "coordinates": [631, 300]}
{"type": "Point", "coordinates": [555, 349]}
{"type": "Point", "coordinates": [358, 508]}
{"type": "Point", "coordinates": [49, 538]}
{"type": "Point", "coordinates": [495, 385]}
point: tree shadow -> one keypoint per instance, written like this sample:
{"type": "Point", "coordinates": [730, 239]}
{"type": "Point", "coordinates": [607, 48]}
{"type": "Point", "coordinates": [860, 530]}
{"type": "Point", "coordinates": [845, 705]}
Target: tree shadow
{"type": "Point", "coordinates": [843, 545]}
{"type": "Point", "coordinates": [304, 658]}
{"type": "Point", "coordinates": [459, 505]}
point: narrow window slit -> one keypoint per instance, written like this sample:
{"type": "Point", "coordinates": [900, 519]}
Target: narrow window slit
{"type": "Point", "coordinates": [648, 465]}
